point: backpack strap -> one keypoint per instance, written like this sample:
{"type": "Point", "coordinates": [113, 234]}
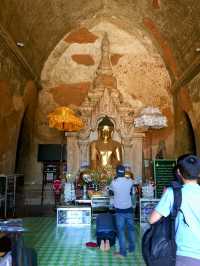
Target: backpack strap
{"type": "Point", "coordinates": [176, 205]}
{"type": "Point", "coordinates": [176, 186]}
{"type": "Point", "coordinates": [177, 200]}
{"type": "Point", "coordinates": [184, 220]}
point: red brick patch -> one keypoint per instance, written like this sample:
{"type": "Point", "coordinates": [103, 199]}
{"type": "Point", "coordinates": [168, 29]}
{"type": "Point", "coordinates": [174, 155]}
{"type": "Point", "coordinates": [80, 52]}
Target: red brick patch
{"type": "Point", "coordinates": [83, 59]}
{"type": "Point", "coordinates": [66, 94]}
{"type": "Point", "coordinates": [81, 36]}
{"type": "Point", "coordinates": [115, 58]}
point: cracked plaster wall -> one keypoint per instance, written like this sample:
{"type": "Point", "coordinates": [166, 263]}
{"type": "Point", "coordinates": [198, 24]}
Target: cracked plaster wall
{"type": "Point", "coordinates": [17, 96]}
{"type": "Point", "coordinates": [141, 76]}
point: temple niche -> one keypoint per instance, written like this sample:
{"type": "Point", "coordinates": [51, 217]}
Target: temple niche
{"type": "Point", "coordinates": [104, 99]}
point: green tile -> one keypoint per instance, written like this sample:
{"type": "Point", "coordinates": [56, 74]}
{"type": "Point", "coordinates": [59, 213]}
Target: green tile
{"type": "Point", "coordinates": [66, 246]}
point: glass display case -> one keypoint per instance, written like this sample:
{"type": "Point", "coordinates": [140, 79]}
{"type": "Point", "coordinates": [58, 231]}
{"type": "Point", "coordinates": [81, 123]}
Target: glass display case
{"type": "Point", "coordinates": [68, 215]}
{"type": "Point", "coordinates": [100, 204]}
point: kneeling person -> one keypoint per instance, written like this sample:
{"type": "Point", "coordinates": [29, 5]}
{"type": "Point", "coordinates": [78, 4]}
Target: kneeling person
{"type": "Point", "coordinates": [105, 231]}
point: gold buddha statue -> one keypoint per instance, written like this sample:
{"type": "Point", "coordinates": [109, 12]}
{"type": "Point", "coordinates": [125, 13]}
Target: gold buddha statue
{"type": "Point", "coordinates": [105, 152]}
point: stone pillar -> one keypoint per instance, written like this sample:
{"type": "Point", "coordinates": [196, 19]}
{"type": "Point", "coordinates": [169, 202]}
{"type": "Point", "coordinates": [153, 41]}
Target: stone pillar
{"type": "Point", "coordinates": [133, 153]}
{"type": "Point", "coordinates": [137, 154]}
{"type": "Point", "coordinates": [128, 147]}
{"type": "Point", "coordinates": [84, 153]}
{"type": "Point", "coordinates": [72, 152]}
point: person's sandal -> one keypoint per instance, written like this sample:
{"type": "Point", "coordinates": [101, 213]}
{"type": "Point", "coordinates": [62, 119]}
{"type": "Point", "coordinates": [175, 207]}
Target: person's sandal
{"type": "Point", "coordinates": [118, 255]}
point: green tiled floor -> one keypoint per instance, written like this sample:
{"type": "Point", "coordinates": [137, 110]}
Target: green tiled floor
{"type": "Point", "coordinates": [66, 246]}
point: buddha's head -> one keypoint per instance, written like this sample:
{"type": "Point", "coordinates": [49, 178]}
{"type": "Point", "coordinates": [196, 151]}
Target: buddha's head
{"type": "Point", "coordinates": [105, 129]}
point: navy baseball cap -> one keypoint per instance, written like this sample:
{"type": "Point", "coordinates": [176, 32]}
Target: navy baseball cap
{"type": "Point", "coordinates": [189, 166]}
{"type": "Point", "coordinates": [120, 170]}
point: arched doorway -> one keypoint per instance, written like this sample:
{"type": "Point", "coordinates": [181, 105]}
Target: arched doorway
{"type": "Point", "coordinates": [189, 143]}
{"type": "Point", "coordinates": [21, 144]}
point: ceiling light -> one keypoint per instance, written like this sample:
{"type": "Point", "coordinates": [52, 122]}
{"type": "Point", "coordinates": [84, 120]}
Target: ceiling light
{"type": "Point", "coordinates": [150, 117]}
{"type": "Point", "coordinates": [20, 44]}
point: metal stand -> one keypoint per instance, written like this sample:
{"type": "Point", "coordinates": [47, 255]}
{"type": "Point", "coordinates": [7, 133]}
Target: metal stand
{"type": "Point", "coordinates": [8, 192]}
{"type": "Point", "coordinates": [51, 170]}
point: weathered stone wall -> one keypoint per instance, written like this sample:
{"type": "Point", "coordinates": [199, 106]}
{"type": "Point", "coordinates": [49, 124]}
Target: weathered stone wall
{"type": "Point", "coordinates": [194, 111]}
{"type": "Point", "coordinates": [142, 77]}
{"type": "Point", "coordinates": [17, 95]}
{"type": "Point", "coordinates": [187, 113]}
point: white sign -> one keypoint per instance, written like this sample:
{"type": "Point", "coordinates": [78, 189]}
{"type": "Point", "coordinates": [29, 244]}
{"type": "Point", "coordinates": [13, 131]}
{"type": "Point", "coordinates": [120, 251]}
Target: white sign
{"type": "Point", "coordinates": [73, 216]}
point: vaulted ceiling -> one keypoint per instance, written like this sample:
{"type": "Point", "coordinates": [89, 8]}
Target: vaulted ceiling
{"type": "Point", "coordinates": [173, 27]}
{"type": "Point", "coordinates": [56, 46]}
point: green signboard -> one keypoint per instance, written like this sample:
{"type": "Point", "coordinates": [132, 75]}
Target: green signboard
{"type": "Point", "coordinates": [163, 174]}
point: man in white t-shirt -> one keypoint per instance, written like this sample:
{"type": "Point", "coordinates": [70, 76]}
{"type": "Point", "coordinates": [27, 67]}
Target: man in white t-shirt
{"type": "Point", "coordinates": [188, 218]}
{"type": "Point", "coordinates": [122, 189]}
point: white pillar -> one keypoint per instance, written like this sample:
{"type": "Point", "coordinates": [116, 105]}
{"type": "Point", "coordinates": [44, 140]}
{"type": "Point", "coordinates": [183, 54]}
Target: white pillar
{"type": "Point", "coordinates": [84, 153]}
{"type": "Point", "coordinates": [137, 154]}
{"type": "Point", "coordinates": [133, 153]}
{"type": "Point", "coordinates": [72, 152]}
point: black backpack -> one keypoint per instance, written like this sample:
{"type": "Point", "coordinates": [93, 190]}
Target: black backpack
{"type": "Point", "coordinates": [158, 242]}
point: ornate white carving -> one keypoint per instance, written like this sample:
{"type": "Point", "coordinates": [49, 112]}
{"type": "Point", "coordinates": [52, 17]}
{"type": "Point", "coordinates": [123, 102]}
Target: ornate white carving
{"type": "Point", "coordinates": [104, 99]}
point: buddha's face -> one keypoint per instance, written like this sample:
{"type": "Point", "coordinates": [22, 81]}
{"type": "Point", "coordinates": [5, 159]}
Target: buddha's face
{"type": "Point", "coordinates": [105, 132]}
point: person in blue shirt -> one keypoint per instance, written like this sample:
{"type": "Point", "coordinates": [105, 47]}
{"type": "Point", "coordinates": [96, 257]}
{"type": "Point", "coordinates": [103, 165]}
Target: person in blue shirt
{"type": "Point", "coordinates": [188, 218]}
{"type": "Point", "coordinates": [122, 189]}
